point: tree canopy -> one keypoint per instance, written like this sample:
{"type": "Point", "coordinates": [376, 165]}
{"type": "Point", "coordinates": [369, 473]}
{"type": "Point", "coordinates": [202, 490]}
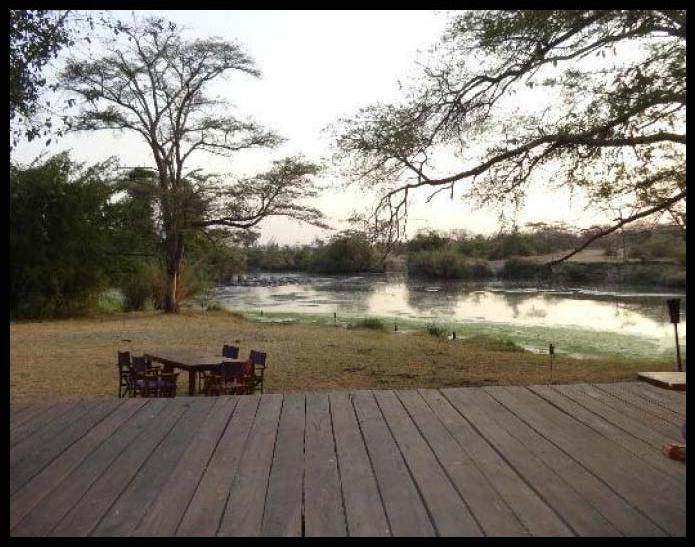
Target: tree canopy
{"type": "Point", "coordinates": [156, 85]}
{"type": "Point", "coordinates": [589, 99]}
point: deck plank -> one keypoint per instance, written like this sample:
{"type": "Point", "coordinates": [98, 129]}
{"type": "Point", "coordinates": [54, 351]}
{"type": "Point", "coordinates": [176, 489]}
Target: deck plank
{"type": "Point", "coordinates": [530, 509]}
{"type": "Point", "coordinates": [489, 508]}
{"type": "Point", "coordinates": [650, 407]}
{"type": "Point", "coordinates": [497, 461]}
{"type": "Point", "coordinates": [53, 508]}
{"type": "Point", "coordinates": [666, 429]}
{"type": "Point", "coordinates": [50, 476]}
{"type": "Point", "coordinates": [449, 513]}
{"type": "Point", "coordinates": [404, 507]}
{"type": "Point", "coordinates": [364, 510]}
{"type": "Point", "coordinates": [671, 401]}
{"type": "Point", "coordinates": [125, 514]}
{"type": "Point", "coordinates": [582, 517]}
{"type": "Point", "coordinates": [244, 512]}
{"type": "Point", "coordinates": [623, 516]}
{"type": "Point", "coordinates": [652, 431]}
{"type": "Point", "coordinates": [560, 397]}
{"type": "Point", "coordinates": [87, 513]}
{"type": "Point", "coordinates": [204, 512]}
{"type": "Point", "coordinates": [40, 450]}
{"type": "Point", "coordinates": [323, 506]}
{"type": "Point", "coordinates": [633, 479]}
{"type": "Point", "coordinates": [166, 512]}
{"type": "Point", "coordinates": [282, 515]}
{"type": "Point", "coordinates": [34, 417]}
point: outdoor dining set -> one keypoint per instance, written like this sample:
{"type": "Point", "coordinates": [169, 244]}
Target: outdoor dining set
{"type": "Point", "coordinates": [153, 373]}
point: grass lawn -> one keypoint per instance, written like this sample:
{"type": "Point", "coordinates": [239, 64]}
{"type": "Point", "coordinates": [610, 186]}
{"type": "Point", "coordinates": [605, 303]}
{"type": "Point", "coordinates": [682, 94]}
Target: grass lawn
{"type": "Point", "coordinates": [75, 358]}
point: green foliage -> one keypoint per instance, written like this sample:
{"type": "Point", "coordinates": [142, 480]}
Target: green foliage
{"type": "Point", "coordinates": [346, 252]}
{"type": "Point", "coordinates": [373, 323]}
{"type": "Point", "coordinates": [491, 343]}
{"type": "Point", "coordinates": [36, 37]}
{"type": "Point", "coordinates": [427, 241]}
{"type": "Point", "coordinates": [61, 230]}
{"type": "Point", "coordinates": [435, 330]}
{"type": "Point", "coordinates": [446, 264]}
{"type": "Point", "coordinates": [518, 269]}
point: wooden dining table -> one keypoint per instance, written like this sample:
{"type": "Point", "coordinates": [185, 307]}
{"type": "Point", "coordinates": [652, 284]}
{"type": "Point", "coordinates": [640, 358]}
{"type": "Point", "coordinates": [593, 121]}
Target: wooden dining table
{"type": "Point", "coordinates": [193, 361]}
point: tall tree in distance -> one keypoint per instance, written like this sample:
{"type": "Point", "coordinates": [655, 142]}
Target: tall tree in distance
{"type": "Point", "coordinates": [156, 86]}
{"type": "Point", "coordinates": [590, 99]}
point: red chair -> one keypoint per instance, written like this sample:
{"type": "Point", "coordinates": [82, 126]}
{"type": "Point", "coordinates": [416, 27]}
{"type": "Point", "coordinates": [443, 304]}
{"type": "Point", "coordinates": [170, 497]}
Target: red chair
{"type": "Point", "coordinates": [231, 379]}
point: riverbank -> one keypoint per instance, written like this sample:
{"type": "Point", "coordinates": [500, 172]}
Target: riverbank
{"type": "Point", "coordinates": [75, 358]}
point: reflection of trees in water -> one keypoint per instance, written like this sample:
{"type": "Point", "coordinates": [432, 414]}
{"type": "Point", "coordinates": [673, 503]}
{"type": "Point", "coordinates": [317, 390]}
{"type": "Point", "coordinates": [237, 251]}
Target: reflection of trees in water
{"type": "Point", "coordinates": [423, 301]}
{"type": "Point", "coordinates": [650, 308]}
{"type": "Point", "coordinates": [514, 300]}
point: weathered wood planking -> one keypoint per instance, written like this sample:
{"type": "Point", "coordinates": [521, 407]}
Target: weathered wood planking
{"type": "Point", "coordinates": [205, 510]}
{"type": "Point", "coordinates": [404, 507]}
{"type": "Point", "coordinates": [51, 510]}
{"type": "Point", "coordinates": [323, 505]}
{"type": "Point", "coordinates": [364, 510]}
{"type": "Point", "coordinates": [623, 471]}
{"type": "Point", "coordinates": [166, 512]}
{"type": "Point", "coordinates": [509, 461]}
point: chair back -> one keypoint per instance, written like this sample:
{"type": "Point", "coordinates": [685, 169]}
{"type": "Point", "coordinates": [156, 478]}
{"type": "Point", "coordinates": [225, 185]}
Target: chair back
{"type": "Point", "coordinates": [258, 358]}
{"type": "Point", "coordinates": [123, 359]}
{"type": "Point", "coordinates": [230, 352]}
{"type": "Point", "coordinates": [139, 364]}
{"type": "Point", "coordinates": [231, 371]}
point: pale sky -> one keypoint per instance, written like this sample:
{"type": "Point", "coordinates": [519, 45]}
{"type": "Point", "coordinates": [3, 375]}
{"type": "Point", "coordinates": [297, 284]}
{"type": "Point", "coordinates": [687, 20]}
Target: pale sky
{"type": "Point", "coordinates": [317, 66]}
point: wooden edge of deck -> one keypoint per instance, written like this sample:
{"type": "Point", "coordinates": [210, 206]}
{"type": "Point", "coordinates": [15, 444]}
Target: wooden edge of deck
{"type": "Point", "coordinates": [666, 380]}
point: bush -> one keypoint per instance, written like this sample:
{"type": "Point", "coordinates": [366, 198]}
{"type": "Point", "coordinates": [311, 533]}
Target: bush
{"type": "Point", "coordinates": [490, 343]}
{"type": "Point", "coordinates": [517, 268]}
{"type": "Point", "coordinates": [373, 323]}
{"type": "Point", "coordinates": [439, 264]}
{"type": "Point", "coordinates": [347, 252]}
{"type": "Point", "coordinates": [435, 330]}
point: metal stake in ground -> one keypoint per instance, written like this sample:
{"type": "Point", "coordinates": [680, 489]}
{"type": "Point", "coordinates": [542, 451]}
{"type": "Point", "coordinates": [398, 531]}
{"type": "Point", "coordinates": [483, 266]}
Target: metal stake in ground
{"type": "Point", "coordinates": [551, 352]}
{"type": "Point", "coordinates": [674, 310]}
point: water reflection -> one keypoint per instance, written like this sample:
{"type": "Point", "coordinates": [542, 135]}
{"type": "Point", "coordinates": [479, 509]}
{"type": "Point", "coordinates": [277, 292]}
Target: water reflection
{"type": "Point", "coordinates": [641, 314]}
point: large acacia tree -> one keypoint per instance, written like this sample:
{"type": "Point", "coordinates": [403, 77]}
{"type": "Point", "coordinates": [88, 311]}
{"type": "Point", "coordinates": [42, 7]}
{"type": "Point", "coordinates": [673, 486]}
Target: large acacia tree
{"type": "Point", "coordinates": [155, 84]}
{"type": "Point", "coordinates": [585, 99]}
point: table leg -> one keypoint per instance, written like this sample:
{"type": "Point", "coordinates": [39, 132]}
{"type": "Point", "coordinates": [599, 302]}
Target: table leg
{"type": "Point", "coordinates": [191, 382]}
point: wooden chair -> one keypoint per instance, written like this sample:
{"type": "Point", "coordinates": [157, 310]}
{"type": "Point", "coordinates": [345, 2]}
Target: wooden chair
{"type": "Point", "coordinates": [144, 380]}
{"type": "Point", "coordinates": [258, 358]}
{"type": "Point", "coordinates": [231, 379]}
{"type": "Point", "coordinates": [124, 382]}
{"type": "Point", "coordinates": [228, 352]}
{"type": "Point", "coordinates": [166, 383]}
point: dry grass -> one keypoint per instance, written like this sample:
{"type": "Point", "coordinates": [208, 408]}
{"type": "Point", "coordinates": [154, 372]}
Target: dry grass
{"type": "Point", "coordinates": [75, 359]}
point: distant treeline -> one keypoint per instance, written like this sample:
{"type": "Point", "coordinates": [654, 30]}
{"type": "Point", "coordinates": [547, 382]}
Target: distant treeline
{"type": "Point", "coordinates": [461, 255]}
{"type": "Point", "coordinates": [76, 231]}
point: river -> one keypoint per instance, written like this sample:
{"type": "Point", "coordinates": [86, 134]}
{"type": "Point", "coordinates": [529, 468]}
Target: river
{"type": "Point", "coordinates": [582, 321]}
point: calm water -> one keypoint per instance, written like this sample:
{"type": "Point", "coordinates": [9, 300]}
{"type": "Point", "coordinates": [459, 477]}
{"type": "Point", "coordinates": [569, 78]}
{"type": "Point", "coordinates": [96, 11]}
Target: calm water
{"type": "Point", "coordinates": [637, 320]}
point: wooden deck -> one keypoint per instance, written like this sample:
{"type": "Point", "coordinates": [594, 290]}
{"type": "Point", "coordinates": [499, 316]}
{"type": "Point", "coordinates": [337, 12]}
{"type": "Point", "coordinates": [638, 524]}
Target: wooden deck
{"type": "Point", "coordinates": [499, 461]}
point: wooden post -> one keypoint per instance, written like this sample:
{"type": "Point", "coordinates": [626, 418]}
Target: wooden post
{"type": "Point", "coordinates": [678, 348]}
{"type": "Point", "coordinates": [551, 351]}
{"type": "Point", "coordinates": [674, 309]}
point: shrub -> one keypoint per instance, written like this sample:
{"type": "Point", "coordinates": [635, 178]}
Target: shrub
{"type": "Point", "coordinates": [373, 323]}
{"type": "Point", "coordinates": [440, 264]}
{"type": "Point", "coordinates": [517, 268]}
{"type": "Point", "coordinates": [435, 330]}
{"type": "Point", "coordinates": [490, 343]}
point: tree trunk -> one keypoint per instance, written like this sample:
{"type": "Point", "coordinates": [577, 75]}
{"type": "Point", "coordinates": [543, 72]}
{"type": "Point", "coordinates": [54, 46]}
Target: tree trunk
{"type": "Point", "coordinates": [174, 255]}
